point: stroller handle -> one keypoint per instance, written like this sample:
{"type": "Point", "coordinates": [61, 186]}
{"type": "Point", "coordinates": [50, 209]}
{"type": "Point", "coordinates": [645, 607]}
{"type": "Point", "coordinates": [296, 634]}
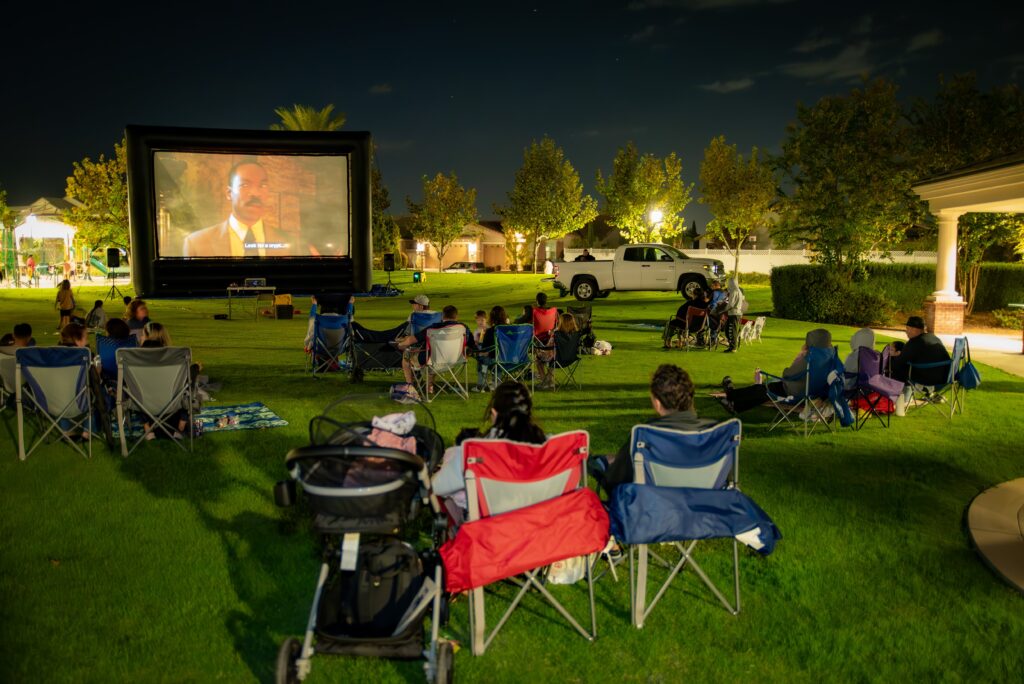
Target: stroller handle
{"type": "Point", "coordinates": [346, 452]}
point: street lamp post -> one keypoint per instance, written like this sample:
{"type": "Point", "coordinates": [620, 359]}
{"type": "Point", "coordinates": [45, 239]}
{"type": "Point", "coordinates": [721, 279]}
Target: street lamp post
{"type": "Point", "coordinates": [656, 216]}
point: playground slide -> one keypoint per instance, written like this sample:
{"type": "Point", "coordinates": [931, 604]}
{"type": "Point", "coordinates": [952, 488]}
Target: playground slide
{"type": "Point", "coordinates": [100, 266]}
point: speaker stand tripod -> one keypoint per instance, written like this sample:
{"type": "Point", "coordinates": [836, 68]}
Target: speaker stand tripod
{"type": "Point", "coordinates": [113, 292]}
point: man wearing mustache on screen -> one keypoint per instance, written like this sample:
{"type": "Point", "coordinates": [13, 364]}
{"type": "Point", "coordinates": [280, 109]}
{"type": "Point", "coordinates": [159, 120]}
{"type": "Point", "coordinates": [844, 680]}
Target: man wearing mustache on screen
{"type": "Point", "coordinates": [243, 233]}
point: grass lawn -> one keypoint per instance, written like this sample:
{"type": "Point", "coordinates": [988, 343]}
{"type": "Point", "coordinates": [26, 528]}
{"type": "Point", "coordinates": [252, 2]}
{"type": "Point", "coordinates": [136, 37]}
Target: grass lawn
{"type": "Point", "coordinates": [169, 566]}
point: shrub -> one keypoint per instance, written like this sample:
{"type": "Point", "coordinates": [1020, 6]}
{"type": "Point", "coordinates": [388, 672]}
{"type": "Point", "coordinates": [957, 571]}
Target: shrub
{"type": "Point", "coordinates": [755, 279]}
{"type": "Point", "coordinates": [817, 293]}
{"type": "Point", "coordinates": [809, 292]}
{"type": "Point", "coordinates": [1008, 318]}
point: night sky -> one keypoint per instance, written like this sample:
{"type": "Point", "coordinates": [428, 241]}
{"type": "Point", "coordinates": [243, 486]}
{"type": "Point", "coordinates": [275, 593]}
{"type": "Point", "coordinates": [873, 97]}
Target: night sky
{"type": "Point", "coordinates": [464, 87]}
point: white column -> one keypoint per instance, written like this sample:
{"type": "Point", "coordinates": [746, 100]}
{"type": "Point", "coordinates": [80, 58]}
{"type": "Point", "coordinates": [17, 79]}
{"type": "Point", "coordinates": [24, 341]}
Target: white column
{"type": "Point", "coordinates": [945, 266]}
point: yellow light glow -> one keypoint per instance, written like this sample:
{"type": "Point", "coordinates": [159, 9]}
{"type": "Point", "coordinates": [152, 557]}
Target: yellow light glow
{"type": "Point", "coordinates": [657, 215]}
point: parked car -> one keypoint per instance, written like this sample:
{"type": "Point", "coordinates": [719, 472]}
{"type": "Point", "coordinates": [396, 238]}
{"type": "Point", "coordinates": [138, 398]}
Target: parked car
{"type": "Point", "coordinates": [466, 267]}
{"type": "Point", "coordinates": [637, 267]}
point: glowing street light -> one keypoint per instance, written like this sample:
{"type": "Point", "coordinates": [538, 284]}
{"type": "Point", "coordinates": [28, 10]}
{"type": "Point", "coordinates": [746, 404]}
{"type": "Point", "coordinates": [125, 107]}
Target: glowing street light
{"type": "Point", "coordinates": [656, 216]}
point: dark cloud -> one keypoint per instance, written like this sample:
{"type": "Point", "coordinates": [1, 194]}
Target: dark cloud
{"type": "Point", "coordinates": [726, 87]}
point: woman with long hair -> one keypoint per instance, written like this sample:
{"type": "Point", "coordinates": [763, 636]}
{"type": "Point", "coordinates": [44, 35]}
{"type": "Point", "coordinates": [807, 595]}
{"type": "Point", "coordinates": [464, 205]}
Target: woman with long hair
{"type": "Point", "coordinates": [65, 302]}
{"type": "Point", "coordinates": [155, 335]}
{"type": "Point", "coordinates": [509, 415]}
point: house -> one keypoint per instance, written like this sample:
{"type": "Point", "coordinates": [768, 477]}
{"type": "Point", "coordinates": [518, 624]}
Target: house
{"type": "Point", "coordinates": [481, 242]}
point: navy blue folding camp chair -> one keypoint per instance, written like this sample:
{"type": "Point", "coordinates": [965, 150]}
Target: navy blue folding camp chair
{"type": "Point", "coordinates": [685, 489]}
{"type": "Point", "coordinates": [512, 353]}
{"type": "Point", "coordinates": [106, 349]}
{"type": "Point", "coordinates": [565, 359]}
{"type": "Point", "coordinates": [947, 398]}
{"type": "Point", "coordinates": [330, 344]}
{"type": "Point", "coordinates": [873, 394]}
{"type": "Point", "coordinates": [421, 320]}
{"type": "Point", "coordinates": [823, 376]}
{"type": "Point", "coordinates": [52, 383]}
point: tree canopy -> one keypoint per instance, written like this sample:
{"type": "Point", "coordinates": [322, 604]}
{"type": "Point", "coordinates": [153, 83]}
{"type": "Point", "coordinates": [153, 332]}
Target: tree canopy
{"type": "Point", "coordinates": [385, 228]}
{"type": "Point", "coordinates": [740, 193]}
{"type": "Point", "coordinates": [442, 216]}
{"type": "Point", "coordinates": [847, 176]}
{"type": "Point", "coordinates": [547, 198]}
{"type": "Point", "coordinates": [101, 187]}
{"type": "Point", "coordinates": [304, 118]}
{"type": "Point", "coordinates": [639, 185]}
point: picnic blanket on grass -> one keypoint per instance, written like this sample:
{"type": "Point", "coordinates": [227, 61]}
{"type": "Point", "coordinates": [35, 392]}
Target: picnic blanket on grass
{"type": "Point", "coordinates": [254, 416]}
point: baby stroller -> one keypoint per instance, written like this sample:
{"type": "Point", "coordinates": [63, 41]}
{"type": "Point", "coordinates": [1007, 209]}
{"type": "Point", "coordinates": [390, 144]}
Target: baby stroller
{"type": "Point", "coordinates": [365, 480]}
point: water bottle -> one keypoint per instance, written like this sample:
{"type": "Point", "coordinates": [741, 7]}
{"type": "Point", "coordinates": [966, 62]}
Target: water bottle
{"type": "Point", "coordinates": [757, 376]}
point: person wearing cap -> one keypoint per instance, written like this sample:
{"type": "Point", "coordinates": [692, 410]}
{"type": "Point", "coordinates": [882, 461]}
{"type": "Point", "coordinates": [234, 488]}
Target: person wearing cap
{"type": "Point", "coordinates": [920, 347]}
{"type": "Point", "coordinates": [413, 343]}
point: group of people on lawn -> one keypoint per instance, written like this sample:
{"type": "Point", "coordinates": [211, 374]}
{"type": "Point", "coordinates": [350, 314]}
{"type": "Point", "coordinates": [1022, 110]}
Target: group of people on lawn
{"type": "Point", "coordinates": [548, 325]}
{"type": "Point", "coordinates": [722, 307]}
{"type": "Point", "coordinates": [671, 391]}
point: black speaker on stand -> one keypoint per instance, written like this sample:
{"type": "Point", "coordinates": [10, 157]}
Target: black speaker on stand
{"type": "Point", "coordinates": [389, 267]}
{"type": "Point", "coordinates": [113, 261]}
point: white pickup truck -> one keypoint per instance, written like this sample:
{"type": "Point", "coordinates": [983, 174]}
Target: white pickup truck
{"type": "Point", "coordinates": [637, 267]}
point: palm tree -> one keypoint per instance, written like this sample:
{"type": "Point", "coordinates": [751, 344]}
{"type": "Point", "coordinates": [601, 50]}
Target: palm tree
{"type": "Point", "coordinates": [303, 118]}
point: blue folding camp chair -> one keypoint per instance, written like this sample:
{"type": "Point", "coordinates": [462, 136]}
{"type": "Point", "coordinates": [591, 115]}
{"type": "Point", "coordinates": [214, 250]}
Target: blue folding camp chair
{"type": "Point", "coordinates": [330, 344]}
{"type": "Point", "coordinates": [52, 383]}
{"type": "Point", "coordinates": [948, 397]}
{"type": "Point", "coordinates": [421, 320]}
{"type": "Point", "coordinates": [685, 489]}
{"type": "Point", "coordinates": [512, 353]}
{"type": "Point", "coordinates": [106, 349]}
{"type": "Point", "coordinates": [822, 378]}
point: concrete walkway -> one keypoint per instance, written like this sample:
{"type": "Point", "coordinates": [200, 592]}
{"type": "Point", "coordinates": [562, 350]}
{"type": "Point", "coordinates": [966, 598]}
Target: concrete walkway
{"type": "Point", "coordinates": [1002, 350]}
{"type": "Point", "coordinates": [995, 521]}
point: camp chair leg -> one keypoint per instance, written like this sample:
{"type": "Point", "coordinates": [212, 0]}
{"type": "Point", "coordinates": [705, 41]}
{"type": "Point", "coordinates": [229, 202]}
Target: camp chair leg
{"type": "Point", "coordinates": [590, 593]}
{"type": "Point", "coordinates": [21, 428]}
{"type": "Point", "coordinates": [641, 586]}
{"type": "Point", "coordinates": [736, 571]}
{"type": "Point", "coordinates": [531, 577]}
{"type": "Point", "coordinates": [523, 588]}
{"type": "Point", "coordinates": [476, 601]}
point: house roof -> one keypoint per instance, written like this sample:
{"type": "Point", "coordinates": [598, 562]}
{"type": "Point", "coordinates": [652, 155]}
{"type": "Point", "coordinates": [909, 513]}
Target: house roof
{"type": "Point", "coordinates": [990, 165]}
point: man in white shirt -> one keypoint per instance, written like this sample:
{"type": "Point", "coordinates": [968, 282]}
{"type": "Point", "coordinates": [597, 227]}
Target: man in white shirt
{"type": "Point", "coordinates": [243, 233]}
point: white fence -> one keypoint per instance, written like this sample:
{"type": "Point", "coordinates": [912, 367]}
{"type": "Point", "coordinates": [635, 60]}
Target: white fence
{"type": "Point", "coordinates": [762, 260]}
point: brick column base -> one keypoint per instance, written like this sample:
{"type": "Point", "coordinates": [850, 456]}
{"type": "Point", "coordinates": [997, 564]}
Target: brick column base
{"type": "Point", "coordinates": [944, 318]}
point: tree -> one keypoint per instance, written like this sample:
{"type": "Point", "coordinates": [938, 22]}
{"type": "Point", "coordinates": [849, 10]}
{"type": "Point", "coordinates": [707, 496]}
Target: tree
{"type": "Point", "coordinates": [739, 192]}
{"type": "Point", "coordinates": [962, 125]}
{"type": "Point", "coordinates": [304, 118]}
{"type": "Point", "coordinates": [101, 188]}
{"type": "Point", "coordinates": [442, 216]}
{"type": "Point", "coordinates": [976, 234]}
{"type": "Point", "coordinates": [547, 198]}
{"type": "Point", "coordinates": [9, 219]}
{"type": "Point", "coordinates": [639, 185]}
{"type": "Point", "coordinates": [844, 163]}
{"type": "Point", "coordinates": [385, 228]}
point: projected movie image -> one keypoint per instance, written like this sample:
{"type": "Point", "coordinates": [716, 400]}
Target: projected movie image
{"type": "Point", "coordinates": [217, 205]}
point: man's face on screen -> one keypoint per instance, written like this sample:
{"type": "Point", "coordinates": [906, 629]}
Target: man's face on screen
{"type": "Point", "coordinates": [248, 193]}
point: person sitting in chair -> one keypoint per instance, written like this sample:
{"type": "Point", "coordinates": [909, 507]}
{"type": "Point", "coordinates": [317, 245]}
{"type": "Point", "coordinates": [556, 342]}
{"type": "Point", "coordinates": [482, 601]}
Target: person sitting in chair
{"type": "Point", "coordinates": [678, 323]}
{"type": "Point", "coordinates": [671, 394]}
{"type": "Point", "coordinates": [920, 347]}
{"type": "Point", "coordinates": [740, 399]}
{"type": "Point", "coordinates": [410, 361]}
{"type": "Point", "coordinates": [23, 335]}
{"type": "Point", "coordinates": [509, 416]}
{"type": "Point", "coordinates": [485, 355]}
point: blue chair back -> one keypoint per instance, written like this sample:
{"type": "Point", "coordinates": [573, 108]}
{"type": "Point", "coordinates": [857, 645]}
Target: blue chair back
{"type": "Point", "coordinates": [705, 459]}
{"type": "Point", "coordinates": [57, 376]}
{"type": "Point", "coordinates": [330, 332]}
{"type": "Point", "coordinates": [512, 344]}
{"type": "Point", "coordinates": [421, 320]}
{"type": "Point", "coordinates": [957, 358]}
{"type": "Point", "coordinates": [106, 349]}
{"type": "Point", "coordinates": [820, 362]}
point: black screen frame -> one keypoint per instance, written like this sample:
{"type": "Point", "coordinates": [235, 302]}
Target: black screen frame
{"type": "Point", "coordinates": [156, 276]}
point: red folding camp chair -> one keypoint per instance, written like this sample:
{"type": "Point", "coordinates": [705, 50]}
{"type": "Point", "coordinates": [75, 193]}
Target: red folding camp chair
{"type": "Point", "coordinates": [528, 508]}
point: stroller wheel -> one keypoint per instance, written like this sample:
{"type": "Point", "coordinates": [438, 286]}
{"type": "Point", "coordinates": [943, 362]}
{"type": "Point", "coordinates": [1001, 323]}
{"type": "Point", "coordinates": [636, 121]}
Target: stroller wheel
{"type": "Point", "coordinates": [287, 667]}
{"type": "Point", "coordinates": [445, 663]}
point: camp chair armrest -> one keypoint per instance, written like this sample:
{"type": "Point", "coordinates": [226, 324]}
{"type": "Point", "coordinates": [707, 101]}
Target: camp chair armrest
{"type": "Point", "coordinates": [933, 364]}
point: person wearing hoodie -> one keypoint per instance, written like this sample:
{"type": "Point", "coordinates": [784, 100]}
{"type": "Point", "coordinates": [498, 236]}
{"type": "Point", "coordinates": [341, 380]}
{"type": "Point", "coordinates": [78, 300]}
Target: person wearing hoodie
{"type": "Point", "coordinates": [865, 337]}
{"type": "Point", "coordinates": [739, 399]}
{"type": "Point", "coordinates": [733, 313]}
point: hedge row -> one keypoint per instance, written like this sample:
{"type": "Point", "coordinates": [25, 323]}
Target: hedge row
{"type": "Point", "coordinates": [875, 295]}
